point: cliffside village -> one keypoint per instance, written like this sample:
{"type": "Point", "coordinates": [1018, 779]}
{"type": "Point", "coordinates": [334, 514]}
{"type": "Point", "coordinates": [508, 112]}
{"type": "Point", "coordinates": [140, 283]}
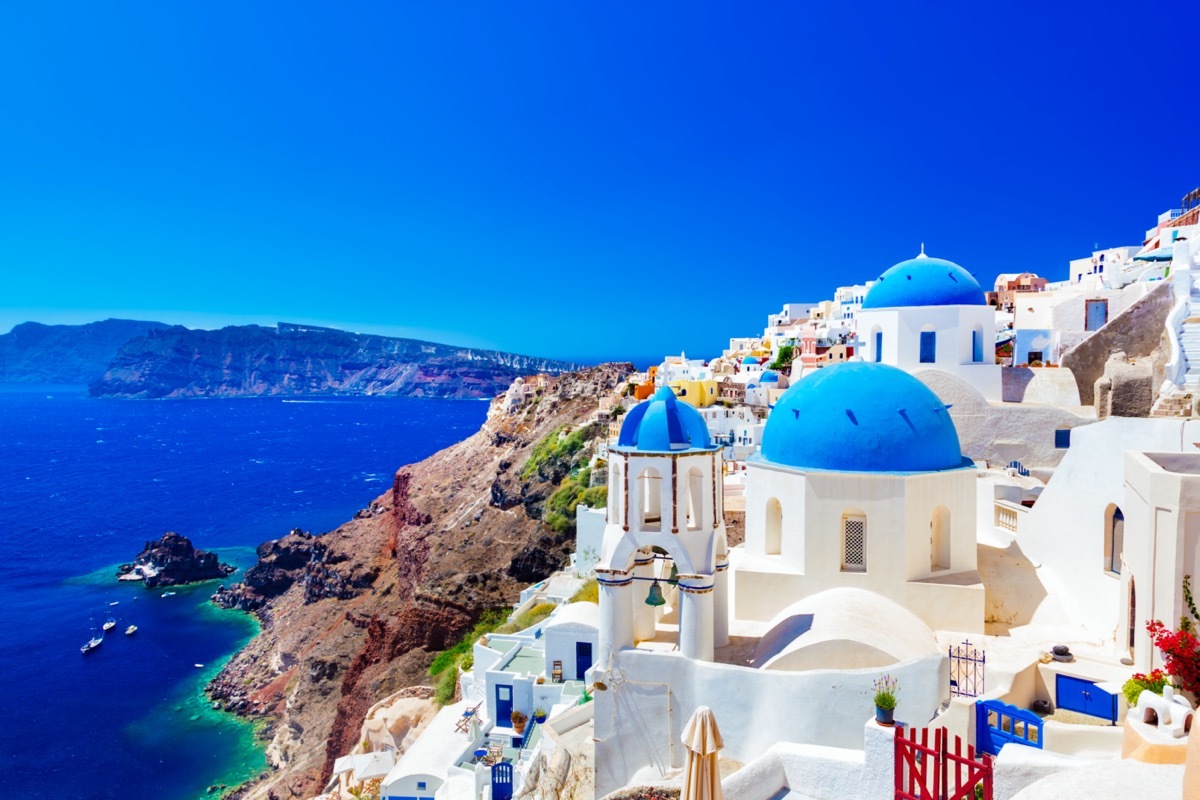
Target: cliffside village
{"type": "Point", "coordinates": [975, 501]}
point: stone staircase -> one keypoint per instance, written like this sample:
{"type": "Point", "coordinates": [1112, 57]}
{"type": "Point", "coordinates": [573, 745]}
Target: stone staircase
{"type": "Point", "coordinates": [1179, 402]}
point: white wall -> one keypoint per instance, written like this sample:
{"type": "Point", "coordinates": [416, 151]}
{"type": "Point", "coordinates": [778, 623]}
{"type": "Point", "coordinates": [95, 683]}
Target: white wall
{"type": "Point", "coordinates": [560, 642]}
{"type": "Point", "coordinates": [955, 351]}
{"type": "Point", "coordinates": [898, 510]}
{"type": "Point", "coordinates": [1065, 530]}
{"type": "Point", "coordinates": [652, 695]}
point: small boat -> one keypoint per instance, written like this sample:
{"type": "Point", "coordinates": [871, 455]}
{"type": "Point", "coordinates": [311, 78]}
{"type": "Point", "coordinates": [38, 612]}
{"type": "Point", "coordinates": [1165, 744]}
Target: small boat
{"type": "Point", "coordinates": [198, 666]}
{"type": "Point", "coordinates": [131, 630]}
{"type": "Point", "coordinates": [168, 594]}
{"type": "Point", "coordinates": [115, 603]}
{"type": "Point", "coordinates": [96, 640]}
{"type": "Point", "coordinates": [109, 622]}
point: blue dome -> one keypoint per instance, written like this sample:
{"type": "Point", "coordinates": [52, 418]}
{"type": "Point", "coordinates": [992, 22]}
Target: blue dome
{"type": "Point", "coordinates": [861, 417]}
{"type": "Point", "coordinates": [769, 377]}
{"type": "Point", "coordinates": [663, 424]}
{"type": "Point", "coordinates": [925, 281]}
{"type": "Point", "coordinates": [750, 360]}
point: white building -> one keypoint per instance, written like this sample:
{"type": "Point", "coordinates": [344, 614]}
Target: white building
{"type": "Point", "coordinates": [931, 314]}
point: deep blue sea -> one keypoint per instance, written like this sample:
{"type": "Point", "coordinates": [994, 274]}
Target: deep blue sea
{"type": "Point", "coordinates": [83, 483]}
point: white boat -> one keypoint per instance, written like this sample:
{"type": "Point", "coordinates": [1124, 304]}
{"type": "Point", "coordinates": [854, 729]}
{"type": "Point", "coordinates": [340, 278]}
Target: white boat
{"type": "Point", "coordinates": [96, 640]}
{"type": "Point", "coordinates": [131, 630]}
{"type": "Point", "coordinates": [168, 594]}
{"type": "Point", "coordinates": [198, 666]}
{"type": "Point", "coordinates": [115, 603]}
{"type": "Point", "coordinates": [109, 622]}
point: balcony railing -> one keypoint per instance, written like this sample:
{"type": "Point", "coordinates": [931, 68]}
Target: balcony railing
{"type": "Point", "coordinates": [1008, 515]}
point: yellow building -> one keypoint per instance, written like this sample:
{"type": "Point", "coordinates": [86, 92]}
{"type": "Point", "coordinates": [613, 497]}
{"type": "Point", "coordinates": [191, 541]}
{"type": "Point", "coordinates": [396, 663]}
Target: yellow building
{"type": "Point", "coordinates": [699, 394]}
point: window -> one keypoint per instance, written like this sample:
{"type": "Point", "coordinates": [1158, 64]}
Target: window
{"type": "Point", "coordinates": [774, 528]}
{"type": "Point", "coordinates": [854, 543]}
{"type": "Point", "coordinates": [928, 347]}
{"type": "Point", "coordinates": [1034, 355]}
{"type": "Point", "coordinates": [1062, 439]}
{"type": "Point", "coordinates": [1114, 539]}
{"type": "Point", "coordinates": [878, 346]}
{"type": "Point", "coordinates": [420, 784]}
{"type": "Point", "coordinates": [977, 346]}
{"type": "Point", "coordinates": [939, 539]}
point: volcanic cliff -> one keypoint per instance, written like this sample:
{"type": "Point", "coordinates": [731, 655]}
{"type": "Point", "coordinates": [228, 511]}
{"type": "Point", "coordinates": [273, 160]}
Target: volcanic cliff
{"type": "Point", "coordinates": [298, 360]}
{"type": "Point", "coordinates": [35, 353]}
{"type": "Point", "coordinates": [358, 613]}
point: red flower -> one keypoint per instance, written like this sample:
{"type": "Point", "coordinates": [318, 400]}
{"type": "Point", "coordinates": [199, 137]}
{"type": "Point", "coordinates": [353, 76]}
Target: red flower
{"type": "Point", "coordinates": [1181, 654]}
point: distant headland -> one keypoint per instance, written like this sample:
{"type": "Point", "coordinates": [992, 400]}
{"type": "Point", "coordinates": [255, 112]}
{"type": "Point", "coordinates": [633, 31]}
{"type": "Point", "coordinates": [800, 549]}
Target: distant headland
{"type": "Point", "coordinates": [133, 359]}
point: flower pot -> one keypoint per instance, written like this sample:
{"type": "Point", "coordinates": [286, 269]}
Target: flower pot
{"type": "Point", "coordinates": [519, 727]}
{"type": "Point", "coordinates": [885, 716]}
{"type": "Point", "coordinates": [539, 718]}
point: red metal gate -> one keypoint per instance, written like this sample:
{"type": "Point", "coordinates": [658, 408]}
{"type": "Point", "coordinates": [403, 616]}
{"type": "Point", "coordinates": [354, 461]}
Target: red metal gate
{"type": "Point", "coordinates": [924, 768]}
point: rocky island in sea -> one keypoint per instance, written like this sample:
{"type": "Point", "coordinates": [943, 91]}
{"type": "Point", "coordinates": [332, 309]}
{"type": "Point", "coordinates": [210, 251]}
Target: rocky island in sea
{"type": "Point", "coordinates": [172, 560]}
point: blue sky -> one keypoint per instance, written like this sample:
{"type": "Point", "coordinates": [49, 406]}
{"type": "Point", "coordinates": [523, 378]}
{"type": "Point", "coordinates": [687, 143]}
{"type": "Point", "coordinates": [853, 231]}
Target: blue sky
{"type": "Point", "coordinates": [568, 179]}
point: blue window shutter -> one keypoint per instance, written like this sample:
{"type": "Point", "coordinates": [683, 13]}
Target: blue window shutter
{"type": "Point", "coordinates": [879, 345]}
{"type": "Point", "coordinates": [928, 347]}
{"type": "Point", "coordinates": [1062, 439]}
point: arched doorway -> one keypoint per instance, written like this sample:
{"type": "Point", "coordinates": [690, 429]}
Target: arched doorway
{"type": "Point", "coordinates": [773, 545]}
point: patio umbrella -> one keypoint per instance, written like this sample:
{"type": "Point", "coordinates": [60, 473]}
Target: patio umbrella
{"type": "Point", "coordinates": [701, 777]}
{"type": "Point", "coordinates": [474, 732]}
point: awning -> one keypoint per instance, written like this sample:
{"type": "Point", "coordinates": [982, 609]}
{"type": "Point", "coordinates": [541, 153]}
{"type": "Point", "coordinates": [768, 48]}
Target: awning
{"type": "Point", "coordinates": [1157, 254]}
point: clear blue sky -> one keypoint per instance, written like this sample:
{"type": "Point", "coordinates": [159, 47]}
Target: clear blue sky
{"type": "Point", "coordinates": [567, 179]}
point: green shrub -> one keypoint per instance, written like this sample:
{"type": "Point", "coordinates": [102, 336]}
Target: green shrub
{"type": "Point", "coordinates": [784, 359]}
{"type": "Point", "coordinates": [453, 655]}
{"type": "Point", "coordinates": [447, 686]}
{"type": "Point", "coordinates": [588, 593]}
{"type": "Point", "coordinates": [529, 618]}
{"type": "Point", "coordinates": [1140, 682]}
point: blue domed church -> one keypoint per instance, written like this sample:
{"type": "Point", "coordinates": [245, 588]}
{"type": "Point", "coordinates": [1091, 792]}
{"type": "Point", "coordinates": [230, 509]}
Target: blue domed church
{"type": "Point", "coordinates": [931, 314]}
{"type": "Point", "coordinates": [861, 483]}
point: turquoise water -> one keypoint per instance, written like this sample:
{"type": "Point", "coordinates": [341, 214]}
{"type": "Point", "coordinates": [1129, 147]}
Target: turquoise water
{"type": "Point", "coordinates": [83, 483]}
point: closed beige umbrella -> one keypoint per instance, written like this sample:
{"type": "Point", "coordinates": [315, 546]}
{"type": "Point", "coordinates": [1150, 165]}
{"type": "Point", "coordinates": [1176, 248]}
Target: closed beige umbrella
{"type": "Point", "coordinates": [701, 776]}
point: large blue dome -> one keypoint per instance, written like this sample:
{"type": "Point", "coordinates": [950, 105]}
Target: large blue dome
{"type": "Point", "coordinates": [663, 424]}
{"type": "Point", "coordinates": [861, 417]}
{"type": "Point", "coordinates": [925, 281]}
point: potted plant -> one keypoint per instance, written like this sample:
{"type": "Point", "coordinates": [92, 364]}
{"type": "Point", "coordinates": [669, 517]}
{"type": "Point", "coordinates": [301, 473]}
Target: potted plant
{"type": "Point", "coordinates": [539, 715]}
{"type": "Point", "coordinates": [886, 688]}
{"type": "Point", "coordinates": [541, 680]}
{"type": "Point", "coordinates": [518, 722]}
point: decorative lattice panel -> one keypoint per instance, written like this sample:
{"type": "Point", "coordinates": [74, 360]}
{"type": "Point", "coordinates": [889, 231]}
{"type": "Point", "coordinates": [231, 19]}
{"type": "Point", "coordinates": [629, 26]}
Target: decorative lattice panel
{"type": "Point", "coordinates": [854, 536]}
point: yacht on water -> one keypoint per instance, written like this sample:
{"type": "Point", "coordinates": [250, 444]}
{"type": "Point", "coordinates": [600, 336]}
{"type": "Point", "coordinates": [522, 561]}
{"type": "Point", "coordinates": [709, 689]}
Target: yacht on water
{"type": "Point", "coordinates": [168, 594]}
{"type": "Point", "coordinates": [131, 630]}
{"type": "Point", "coordinates": [96, 640]}
{"type": "Point", "coordinates": [109, 622]}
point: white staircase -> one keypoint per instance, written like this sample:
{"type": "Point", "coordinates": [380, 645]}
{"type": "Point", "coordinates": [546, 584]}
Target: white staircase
{"type": "Point", "coordinates": [1189, 340]}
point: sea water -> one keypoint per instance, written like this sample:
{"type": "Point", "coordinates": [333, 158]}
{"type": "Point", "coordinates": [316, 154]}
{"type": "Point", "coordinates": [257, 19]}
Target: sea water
{"type": "Point", "coordinates": [83, 484]}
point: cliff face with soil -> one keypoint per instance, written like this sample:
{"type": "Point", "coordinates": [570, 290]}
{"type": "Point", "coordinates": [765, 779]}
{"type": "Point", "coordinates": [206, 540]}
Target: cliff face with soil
{"type": "Point", "coordinates": [35, 353]}
{"type": "Point", "coordinates": [358, 613]}
{"type": "Point", "coordinates": [290, 360]}
{"type": "Point", "coordinates": [172, 560]}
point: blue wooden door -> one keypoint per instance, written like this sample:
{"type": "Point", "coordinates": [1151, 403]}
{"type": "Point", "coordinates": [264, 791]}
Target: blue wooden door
{"type": "Point", "coordinates": [583, 659]}
{"type": "Point", "coordinates": [928, 347]}
{"type": "Point", "coordinates": [504, 706]}
{"type": "Point", "coordinates": [1076, 694]}
{"type": "Point", "coordinates": [997, 723]}
{"type": "Point", "coordinates": [1097, 315]}
{"type": "Point", "coordinates": [879, 345]}
{"type": "Point", "coordinates": [502, 781]}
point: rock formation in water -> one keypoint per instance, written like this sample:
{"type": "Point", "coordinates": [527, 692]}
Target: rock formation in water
{"type": "Point", "coordinates": [35, 353]}
{"type": "Point", "coordinates": [173, 560]}
{"type": "Point", "coordinates": [297, 360]}
{"type": "Point", "coordinates": [356, 614]}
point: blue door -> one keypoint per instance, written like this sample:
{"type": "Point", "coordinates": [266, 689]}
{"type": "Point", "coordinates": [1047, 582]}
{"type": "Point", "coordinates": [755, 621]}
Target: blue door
{"type": "Point", "coordinates": [977, 346]}
{"type": "Point", "coordinates": [583, 659]}
{"type": "Point", "coordinates": [1076, 694]}
{"type": "Point", "coordinates": [502, 781]}
{"type": "Point", "coordinates": [879, 345]}
{"type": "Point", "coordinates": [928, 347]}
{"type": "Point", "coordinates": [504, 706]}
{"type": "Point", "coordinates": [1097, 315]}
{"type": "Point", "coordinates": [997, 723]}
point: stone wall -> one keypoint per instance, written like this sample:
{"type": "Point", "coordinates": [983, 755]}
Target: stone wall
{"type": "Point", "coordinates": [1137, 331]}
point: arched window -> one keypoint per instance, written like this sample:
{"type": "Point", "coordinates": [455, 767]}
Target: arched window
{"type": "Point", "coordinates": [696, 495]}
{"type": "Point", "coordinates": [928, 346]}
{"type": "Point", "coordinates": [774, 528]}
{"type": "Point", "coordinates": [877, 340]}
{"type": "Point", "coordinates": [1114, 538]}
{"type": "Point", "coordinates": [854, 542]}
{"type": "Point", "coordinates": [977, 344]}
{"type": "Point", "coordinates": [650, 499]}
{"type": "Point", "coordinates": [939, 539]}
